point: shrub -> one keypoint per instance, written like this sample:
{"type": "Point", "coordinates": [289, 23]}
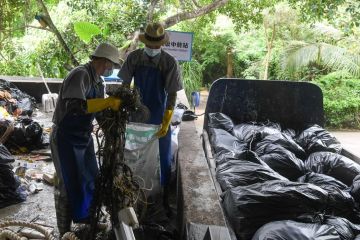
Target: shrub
{"type": "Point", "coordinates": [341, 100]}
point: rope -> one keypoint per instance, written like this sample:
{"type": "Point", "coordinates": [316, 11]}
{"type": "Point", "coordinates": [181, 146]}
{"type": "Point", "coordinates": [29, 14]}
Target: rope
{"type": "Point", "coordinates": [6, 234]}
{"type": "Point", "coordinates": [16, 236]}
{"type": "Point", "coordinates": [69, 236]}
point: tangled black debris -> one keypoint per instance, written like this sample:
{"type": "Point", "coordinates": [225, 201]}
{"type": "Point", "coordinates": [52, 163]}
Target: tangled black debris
{"type": "Point", "coordinates": [115, 187]}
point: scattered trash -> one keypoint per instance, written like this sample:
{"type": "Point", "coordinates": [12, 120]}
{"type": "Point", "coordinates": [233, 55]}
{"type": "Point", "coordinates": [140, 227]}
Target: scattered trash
{"type": "Point", "coordinates": [49, 178]}
{"type": "Point", "coordinates": [35, 188]}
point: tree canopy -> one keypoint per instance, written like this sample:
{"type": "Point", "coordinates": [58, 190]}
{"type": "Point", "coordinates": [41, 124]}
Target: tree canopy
{"type": "Point", "coordinates": [305, 40]}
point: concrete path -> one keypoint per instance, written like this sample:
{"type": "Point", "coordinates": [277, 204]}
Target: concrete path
{"type": "Point", "coordinates": [349, 139]}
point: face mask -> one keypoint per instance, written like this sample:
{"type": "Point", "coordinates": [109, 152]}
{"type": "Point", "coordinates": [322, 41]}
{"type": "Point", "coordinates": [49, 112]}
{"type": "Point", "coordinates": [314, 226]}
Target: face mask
{"type": "Point", "coordinates": [108, 72]}
{"type": "Point", "coordinates": [152, 52]}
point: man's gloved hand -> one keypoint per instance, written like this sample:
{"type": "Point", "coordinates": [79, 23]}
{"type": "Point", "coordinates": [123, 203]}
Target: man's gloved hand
{"type": "Point", "coordinates": [114, 103]}
{"type": "Point", "coordinates": [99, 104]}
{"type": "Point", "coordinates": [165, 123]}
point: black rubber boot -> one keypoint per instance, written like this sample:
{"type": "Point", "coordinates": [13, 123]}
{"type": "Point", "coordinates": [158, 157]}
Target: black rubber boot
{"type": "Point", "coordinates": [63, 213]}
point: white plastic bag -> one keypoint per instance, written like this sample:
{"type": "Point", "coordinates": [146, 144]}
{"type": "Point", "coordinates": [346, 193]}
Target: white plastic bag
{"type": "Point", "coordinates": [174, 147]}
{"type": "Point", "coordinates": [142, 155]}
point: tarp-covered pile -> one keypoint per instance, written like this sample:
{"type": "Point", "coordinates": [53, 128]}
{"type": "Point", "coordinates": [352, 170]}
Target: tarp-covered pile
{"type": "Point", "coordinates": [282, 184]}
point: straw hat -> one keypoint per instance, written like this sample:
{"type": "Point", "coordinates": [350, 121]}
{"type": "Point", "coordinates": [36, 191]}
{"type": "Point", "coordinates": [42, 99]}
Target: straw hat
{"type": "Point", "coordinates": [108, 51]}
{"type": "Point", "coordinates": [154, 35]}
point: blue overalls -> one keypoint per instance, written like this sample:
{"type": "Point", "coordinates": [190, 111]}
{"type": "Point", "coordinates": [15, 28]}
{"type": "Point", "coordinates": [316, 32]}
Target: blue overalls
{"type": "Point", "coordinates": [78, 160]}
{"type": "Point", "coordinates": [150, 82]}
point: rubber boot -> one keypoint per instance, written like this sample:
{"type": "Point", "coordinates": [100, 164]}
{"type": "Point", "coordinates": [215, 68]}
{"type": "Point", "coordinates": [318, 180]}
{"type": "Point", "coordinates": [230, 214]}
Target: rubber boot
{"type": "Point", "coordinates": [63, 213]}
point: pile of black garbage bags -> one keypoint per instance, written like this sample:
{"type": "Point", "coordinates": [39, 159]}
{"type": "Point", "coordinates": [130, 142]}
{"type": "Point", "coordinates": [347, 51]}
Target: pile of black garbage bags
{"type": "Point", "coordinates": [26, 134]}
{"type": "Point", "coordinates": [285, 184]}
{"type": "Point", "coordinates": [11, 190]}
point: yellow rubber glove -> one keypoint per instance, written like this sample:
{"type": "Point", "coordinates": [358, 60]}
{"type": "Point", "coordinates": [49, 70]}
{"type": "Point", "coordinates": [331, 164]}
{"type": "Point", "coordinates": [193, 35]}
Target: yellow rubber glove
{"type": "Point", "coordinates": [165, 123]}
{"type": "Point", "coordinates": [99, 104]}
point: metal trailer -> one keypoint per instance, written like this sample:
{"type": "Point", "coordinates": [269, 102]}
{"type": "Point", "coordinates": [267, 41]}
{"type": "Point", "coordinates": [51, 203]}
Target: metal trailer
{"type": "Point", "coordinates": [292, 104]}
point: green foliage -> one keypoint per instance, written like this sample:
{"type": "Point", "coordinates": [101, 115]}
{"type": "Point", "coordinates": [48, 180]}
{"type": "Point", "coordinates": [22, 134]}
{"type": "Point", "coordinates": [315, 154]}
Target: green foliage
{"type": "Point", "coordinates": [341, 99]}
{"type": "Point", "coordinates": [191, 76]}
{"type": "Point", "coordinates": [86, 30]}
{"type": "Point", "coordinates": [246, 14]}
{"type": "Point", "coordinates": [315, 10]}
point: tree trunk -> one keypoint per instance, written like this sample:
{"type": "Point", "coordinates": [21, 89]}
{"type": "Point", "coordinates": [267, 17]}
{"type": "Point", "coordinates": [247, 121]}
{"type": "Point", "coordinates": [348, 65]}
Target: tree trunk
{"type": "Point", "coordinates": [57, 33]}
{"type": "Point", "coordinates": [269, 49]}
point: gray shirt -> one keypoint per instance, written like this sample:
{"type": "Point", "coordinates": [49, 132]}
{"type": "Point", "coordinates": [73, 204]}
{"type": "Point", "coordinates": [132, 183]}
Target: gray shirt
{"type": "Point", "coordinates": [78, 85]}
{"type": "Point", "coordinates": [167, 64]}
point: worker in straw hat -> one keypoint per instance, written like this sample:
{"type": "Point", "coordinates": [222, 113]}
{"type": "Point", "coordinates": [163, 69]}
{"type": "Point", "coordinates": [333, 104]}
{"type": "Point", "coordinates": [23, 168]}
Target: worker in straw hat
{"type": "Point", "coordinates": [81, 96]}
{"type": "Point", "coordinates": [157, 76]}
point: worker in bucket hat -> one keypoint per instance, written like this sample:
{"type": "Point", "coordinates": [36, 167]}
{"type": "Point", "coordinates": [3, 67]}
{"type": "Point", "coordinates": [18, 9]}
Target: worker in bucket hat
{"type": "Point", "coordinates": [81, 97]}
{"type": "Point", "coordinates": [157, 76]}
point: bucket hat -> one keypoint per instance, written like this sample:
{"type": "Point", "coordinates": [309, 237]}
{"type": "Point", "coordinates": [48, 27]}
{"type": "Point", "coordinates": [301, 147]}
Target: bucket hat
{"type": "Point", "coordinates": [108, 51]}
{"type": "Point", "coordinates": [154, 35]}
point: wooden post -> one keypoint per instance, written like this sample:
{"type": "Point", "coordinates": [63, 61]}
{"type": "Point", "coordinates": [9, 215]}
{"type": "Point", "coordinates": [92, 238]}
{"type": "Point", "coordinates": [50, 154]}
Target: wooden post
{"type": "Point", "coordinates": [230, 64]}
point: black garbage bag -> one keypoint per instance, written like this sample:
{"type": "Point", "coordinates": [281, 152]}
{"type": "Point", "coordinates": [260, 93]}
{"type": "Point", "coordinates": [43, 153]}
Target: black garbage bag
{"type": "Point", "coordinates": [27, 133]}
{"type": "Point", "coordinates": [246, 132]}
{"type": "Point", "coordinates": [5, 155]}
{"type": "Point", "coordinates": [280, 160]}
{"type": "Point", "coordinates": [238, 172]}
{"type": "Point", "coordinates": [290, 132]}
{"type": "Point", "coordinates": [341, 203]}
{"type": "Point", "coordinates": [322, 180]}
{"type": "Point", "coordinates": [222, 140]}
{"type": "Point", "coordinates": [316, 139]}
{"type": "Point", "coordinates": [220, 120]}
{"type": "Point", "coordinates": [345, 228]}
{"type": "Point", "coordinates": [153, 231]}
{"type": "Point", "coordinates": [223, 156]}
{"type": "Point", "coordinates": [10, 189]}
{"type": "Point", "coordinates": [334, 165]}
{"type": "Point", "coordinates": [250, 207]}
{"type": "Point", "coordinates": [291, 230]}
{"type": "Point", "coordinates": [286, 142]}
{"type": "Point", "coordinates": [25, 102]}
{"type": "Point", "coordinates": [355, 188]}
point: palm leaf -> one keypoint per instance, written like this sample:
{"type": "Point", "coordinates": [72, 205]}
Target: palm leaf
{"type": "Point", "coordinates": [297, 55]}
{"type": "Point", "coordinates": [86, 30]}
{"type": "Point", "coordinates": [300, 54]}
